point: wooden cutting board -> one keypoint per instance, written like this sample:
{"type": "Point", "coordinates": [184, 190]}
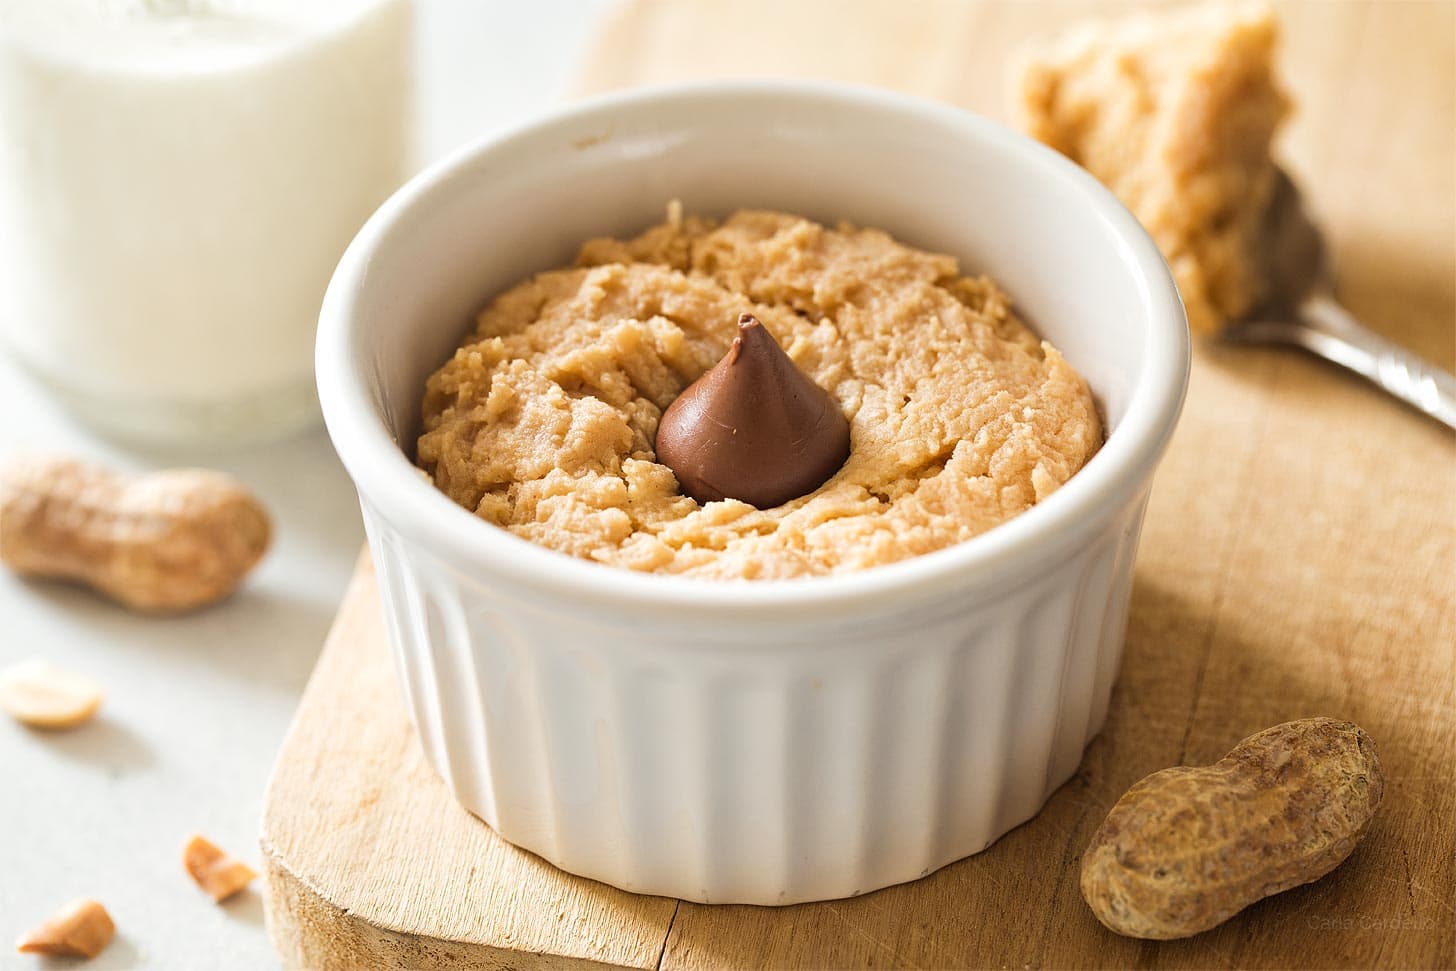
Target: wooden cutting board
{"type": "Point", "coordinates": [1299, 559]}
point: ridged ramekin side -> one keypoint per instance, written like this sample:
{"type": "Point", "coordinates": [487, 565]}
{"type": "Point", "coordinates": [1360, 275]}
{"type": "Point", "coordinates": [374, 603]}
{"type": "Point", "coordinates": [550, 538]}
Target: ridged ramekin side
{"type": "Point", "coordinates": [720, 767]}
{"type": "Point", "coordinates": [849, 733]}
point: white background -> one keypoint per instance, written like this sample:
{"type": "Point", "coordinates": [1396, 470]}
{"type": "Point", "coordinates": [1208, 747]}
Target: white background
{"type": "Point", "coordinates": [196, 706]}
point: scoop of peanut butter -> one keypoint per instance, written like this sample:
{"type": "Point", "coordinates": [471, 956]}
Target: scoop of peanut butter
{"type": "Point", "coordinates": [754, 428]}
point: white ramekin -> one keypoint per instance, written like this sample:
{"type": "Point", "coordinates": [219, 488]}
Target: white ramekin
{"type": "Point", "coordinates": [765, 742]}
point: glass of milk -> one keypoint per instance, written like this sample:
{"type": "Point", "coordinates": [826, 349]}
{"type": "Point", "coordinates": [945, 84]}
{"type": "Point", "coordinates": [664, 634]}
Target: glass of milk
{"type": "Point", "coordinates": [177, 180]}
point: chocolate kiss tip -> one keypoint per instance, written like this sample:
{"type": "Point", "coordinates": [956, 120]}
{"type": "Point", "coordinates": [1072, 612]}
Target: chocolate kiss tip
{"type": "Point", "coordinates": [753, 428]}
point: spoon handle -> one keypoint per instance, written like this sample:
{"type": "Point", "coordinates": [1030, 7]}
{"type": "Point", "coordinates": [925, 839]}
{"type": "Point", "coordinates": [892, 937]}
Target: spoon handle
{"type": "Point", "coordinates": [1329, 330]}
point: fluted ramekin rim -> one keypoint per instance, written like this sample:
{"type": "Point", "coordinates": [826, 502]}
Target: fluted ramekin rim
{"type": "Point", "coordinates": [389, 481]}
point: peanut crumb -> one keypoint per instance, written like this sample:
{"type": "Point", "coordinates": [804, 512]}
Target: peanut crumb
{"type": "Point", "coordinates": [42, 695]}
{"type": "Point", "coordinates": [215, 871]}
{"type": "Point", "coordinates": [81, 929]}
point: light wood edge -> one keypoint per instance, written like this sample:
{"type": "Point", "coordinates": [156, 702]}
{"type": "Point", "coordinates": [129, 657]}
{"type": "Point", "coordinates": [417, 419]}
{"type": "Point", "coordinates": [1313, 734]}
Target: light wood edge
{"type": "Point", "coordinates": [309, 931]}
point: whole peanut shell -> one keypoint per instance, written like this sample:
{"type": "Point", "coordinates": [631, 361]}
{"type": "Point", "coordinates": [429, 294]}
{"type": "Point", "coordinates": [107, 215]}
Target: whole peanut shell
{"type": "Point", "coordinates": [168, 541]}
{"type": "Point", "coordinates": [1187, 848]}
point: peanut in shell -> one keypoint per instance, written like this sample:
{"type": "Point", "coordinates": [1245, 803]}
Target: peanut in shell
{"type": "Point", "coordinates": [1186, 848]}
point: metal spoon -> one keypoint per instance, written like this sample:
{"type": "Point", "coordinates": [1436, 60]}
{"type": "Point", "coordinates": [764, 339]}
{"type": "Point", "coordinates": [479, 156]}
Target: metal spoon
{"type": "Point", "coordinates": [1303, 311]}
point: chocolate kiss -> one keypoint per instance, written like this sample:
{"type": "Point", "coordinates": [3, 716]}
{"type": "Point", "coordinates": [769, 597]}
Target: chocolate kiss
{"type": "Point", "coordinates": [754, 428]}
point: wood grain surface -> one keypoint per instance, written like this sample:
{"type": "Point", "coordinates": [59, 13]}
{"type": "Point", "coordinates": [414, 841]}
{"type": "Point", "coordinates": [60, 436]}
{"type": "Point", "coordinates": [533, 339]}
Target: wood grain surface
{"type": "Point", "coordinates": [1299, 559]}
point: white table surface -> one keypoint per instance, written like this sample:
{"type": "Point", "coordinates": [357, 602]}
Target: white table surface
{"type": "Point", "coordinates": [196, 706]}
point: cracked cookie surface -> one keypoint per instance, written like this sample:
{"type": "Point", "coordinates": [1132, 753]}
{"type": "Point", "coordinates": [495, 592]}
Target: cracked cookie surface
{"type": "Point", "coordinates": [543, 421]}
